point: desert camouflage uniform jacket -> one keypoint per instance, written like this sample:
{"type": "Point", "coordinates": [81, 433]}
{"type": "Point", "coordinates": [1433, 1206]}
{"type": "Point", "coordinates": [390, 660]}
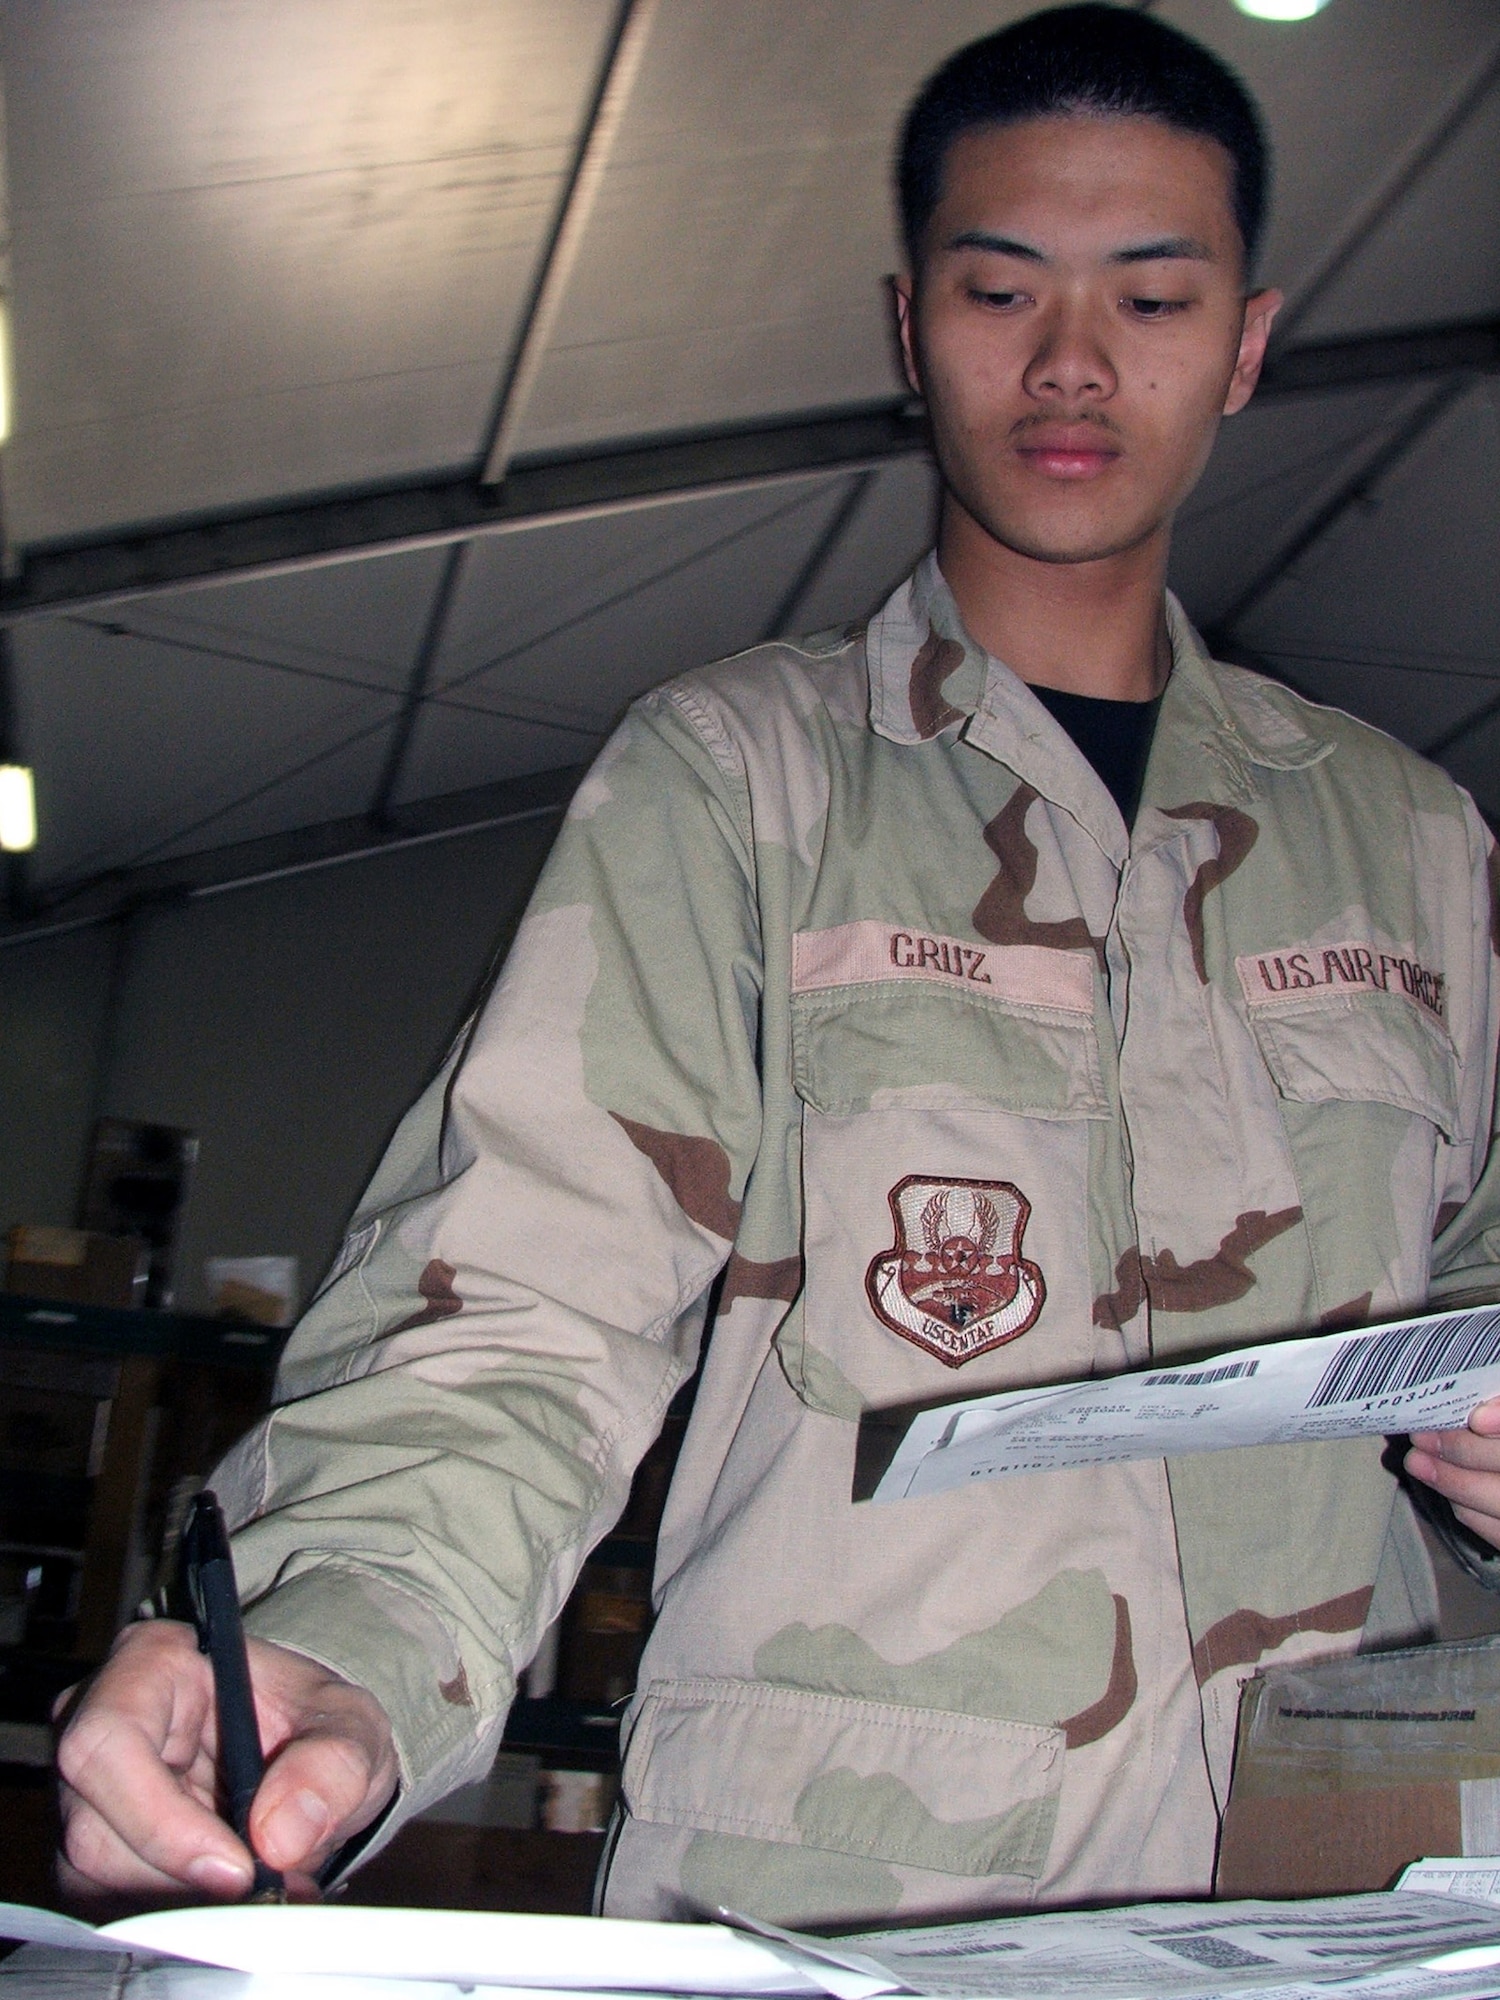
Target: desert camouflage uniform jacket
{"type": "Point", "coordinates": [846, 971]}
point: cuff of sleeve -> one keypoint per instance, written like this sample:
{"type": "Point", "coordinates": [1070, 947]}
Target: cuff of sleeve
{"type": "Point", "coordinates": [1462, 1290]}
{"type": "Point", "coordinates": [388, 1642]}
{"type": "Point", "coordinates": [1474, 1556]}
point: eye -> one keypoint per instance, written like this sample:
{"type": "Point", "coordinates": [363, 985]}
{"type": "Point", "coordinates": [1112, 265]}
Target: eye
{"type": "Point", "coordinates": [999, 301]}
{"type": "Point", "coordinates": [1155, 308]}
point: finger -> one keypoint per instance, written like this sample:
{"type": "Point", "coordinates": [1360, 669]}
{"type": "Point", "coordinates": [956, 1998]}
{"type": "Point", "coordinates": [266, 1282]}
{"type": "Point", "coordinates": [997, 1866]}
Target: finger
{"type": "Point", "coordinates": [1484, 1421]}
{"type": "Point", "coordinates": [320, 1789]}
{"type": "Point", "coordinates": [95, 1860]}
{"type": "Point", "coordinates": [1465, 1448]}
{"type": "Point", "coordinates": [1483, 1525]}
{"type": "Point", "coordinates": [137, 1754]}
{"type": "Point", "coordinates": [1425, 1465]}
{"type": "Point", "coordinates": [1474, 1495]}
{"type": "Point", "coordinates": [124, 1788]}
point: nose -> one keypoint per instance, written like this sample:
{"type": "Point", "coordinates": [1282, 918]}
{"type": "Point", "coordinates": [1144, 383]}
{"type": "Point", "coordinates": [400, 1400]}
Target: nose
{"type": "Point", "coordinates": [1070, 362]}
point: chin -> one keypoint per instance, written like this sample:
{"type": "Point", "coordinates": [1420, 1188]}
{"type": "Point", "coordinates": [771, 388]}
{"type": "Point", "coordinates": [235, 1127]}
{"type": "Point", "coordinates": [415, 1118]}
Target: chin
{"type": "Point", "coordinates": [1059, 546]}
{"type": "Point", "coordinates": [1062, 527]}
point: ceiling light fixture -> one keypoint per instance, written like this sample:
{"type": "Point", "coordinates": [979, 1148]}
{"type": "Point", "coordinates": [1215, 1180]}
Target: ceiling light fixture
{"type": "Point", "coordinates": [1281, 10]}
{"type": "Point", "coordinates": [17, 809]}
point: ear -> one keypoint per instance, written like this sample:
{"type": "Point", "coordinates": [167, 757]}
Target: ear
{"type": "Point", "coordinates": [903, 291]}
{"type": "Point", "coordinates": [1261, 309]}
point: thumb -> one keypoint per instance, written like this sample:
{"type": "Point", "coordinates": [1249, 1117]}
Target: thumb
{"type": "Point", "coordinates": [320, 1789]}
{"type": "Point", "coordinates": [1486, 1419]}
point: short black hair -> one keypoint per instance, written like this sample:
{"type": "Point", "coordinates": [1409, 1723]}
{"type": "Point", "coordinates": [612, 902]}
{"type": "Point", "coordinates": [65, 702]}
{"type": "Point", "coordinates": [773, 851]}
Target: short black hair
{"type": "Point", "coordinates": [1094, 60]}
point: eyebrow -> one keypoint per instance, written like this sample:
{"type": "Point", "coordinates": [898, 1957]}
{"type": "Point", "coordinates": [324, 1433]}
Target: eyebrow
{"type": "Point", "coordinates": [1162, 249]}
{"type": "Point", "coordinates": [1000, 246]}
{"type": "Point", "coordinates": [1165, 249]}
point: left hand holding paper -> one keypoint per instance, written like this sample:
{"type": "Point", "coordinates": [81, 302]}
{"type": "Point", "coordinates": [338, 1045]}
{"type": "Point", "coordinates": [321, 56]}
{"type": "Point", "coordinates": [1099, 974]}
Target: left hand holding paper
{"type": "Point", "coordinates": [1464, 1466]}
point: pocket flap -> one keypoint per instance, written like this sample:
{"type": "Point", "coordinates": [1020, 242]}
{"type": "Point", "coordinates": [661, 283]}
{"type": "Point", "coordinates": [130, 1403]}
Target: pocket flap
{"type": "Point", "coordinates": [1366, 1048]}
{"type": "Point", "coordinates": [922, 1787]}
{"type": "Point", "coordinates": [863, 1049]}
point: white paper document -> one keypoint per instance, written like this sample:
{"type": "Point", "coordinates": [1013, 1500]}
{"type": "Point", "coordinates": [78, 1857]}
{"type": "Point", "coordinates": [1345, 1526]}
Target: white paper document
{"type": "Point", "coordinates": [1414, 1374]}
{"type": "Point", "coordinates": [1406, 1946]}
{"type": "Point", "coordinates": [1170, 1951]}
{"type": "Point", "coordinates": [1473, 1876]}
{"type": "Point", "coordinates": [340, 1941]}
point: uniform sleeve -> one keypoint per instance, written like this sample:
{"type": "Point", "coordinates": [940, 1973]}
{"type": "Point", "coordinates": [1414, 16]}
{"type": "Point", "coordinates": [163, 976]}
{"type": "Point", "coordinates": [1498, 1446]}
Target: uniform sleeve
{"type": "Point", "coordinates": [522, 1290]}
{"type": "Point", "coordinates": [1466, 1254]}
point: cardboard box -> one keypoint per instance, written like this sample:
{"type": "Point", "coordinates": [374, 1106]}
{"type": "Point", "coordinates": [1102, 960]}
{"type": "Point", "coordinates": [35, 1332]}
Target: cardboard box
{"type": "Point", "coordinates": [262, 1290]}
{"type": "Point", "coordinates": [1346, 1772]}
{"type": "Point", "coordinates": [77, 1265]}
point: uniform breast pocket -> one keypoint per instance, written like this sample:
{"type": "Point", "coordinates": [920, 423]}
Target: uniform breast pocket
{"type": "Point", "coordinates": [946, 1143]}
{"type": "Point", "coordinates": [1369, 1090]}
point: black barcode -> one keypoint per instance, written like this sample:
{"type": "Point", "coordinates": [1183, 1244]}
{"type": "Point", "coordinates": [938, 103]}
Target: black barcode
{"type": "Point", "coordinates": [1219, 1954]}
{"type": "Point", "coordinates": [1403, 1357]}
{"type": "Point", "coordinates": [964, 1946]}
{"type": "Point", "coordinates": [1191, 1377]}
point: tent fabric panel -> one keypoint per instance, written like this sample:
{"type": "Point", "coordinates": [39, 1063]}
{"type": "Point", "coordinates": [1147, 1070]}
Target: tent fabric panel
{"type": "Point", "coordinates": [1273, 466]}
{"type": "Point", "coordinates": [1435, 258]}
{"type": "Point", "coordinates": [142, 751]}
{"type": "Point", "coordinates": [272, 247]}
{"type": "Point", "coordinates": [361, 621]}
{"type": "Point", "coordinates": [669, 618]}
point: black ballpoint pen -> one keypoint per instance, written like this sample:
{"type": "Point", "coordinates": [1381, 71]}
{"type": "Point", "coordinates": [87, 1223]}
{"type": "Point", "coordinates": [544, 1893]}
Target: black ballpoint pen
{"type": "Point", "coordinates": [208, 1581]}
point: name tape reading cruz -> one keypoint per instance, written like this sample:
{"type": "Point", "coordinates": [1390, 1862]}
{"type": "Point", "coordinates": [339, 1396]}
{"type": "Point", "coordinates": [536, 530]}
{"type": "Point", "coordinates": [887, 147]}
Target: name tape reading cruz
{"type": "Point", "coordinates": [867, 953]}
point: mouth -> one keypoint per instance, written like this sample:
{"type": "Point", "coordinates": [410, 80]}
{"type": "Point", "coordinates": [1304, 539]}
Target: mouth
{"type": "Point", "coordinates": [1068, 452]}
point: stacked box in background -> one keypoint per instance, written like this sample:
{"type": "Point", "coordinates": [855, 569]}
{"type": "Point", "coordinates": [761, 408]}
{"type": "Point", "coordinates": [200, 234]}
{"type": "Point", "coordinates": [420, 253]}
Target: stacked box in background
{"type": "Point", "coordinates": [77, 1266]}
{"type": "Point", "coordinates": [1344, 1773]}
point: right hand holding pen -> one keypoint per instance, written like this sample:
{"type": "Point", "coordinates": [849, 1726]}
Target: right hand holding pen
{"type": "Point", "coordinates": [137, 1762]}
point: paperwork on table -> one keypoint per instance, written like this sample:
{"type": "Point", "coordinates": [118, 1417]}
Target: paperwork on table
{"type": "Point", "coordinates": [1403, 1945]}
{"type": "Point", "coordinates": [1475, 1877]}
{"type": "Point", "coordinates": [1414, 1374]}
{"type": "Point", "coordinates": [1187, 1951]}
{"type": "Point", "coordinates": [442, 1948]}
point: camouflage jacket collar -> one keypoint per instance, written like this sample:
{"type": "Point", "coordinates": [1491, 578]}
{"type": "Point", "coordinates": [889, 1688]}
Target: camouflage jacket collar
{"type": "Point", "coordinates": [1218, 724]}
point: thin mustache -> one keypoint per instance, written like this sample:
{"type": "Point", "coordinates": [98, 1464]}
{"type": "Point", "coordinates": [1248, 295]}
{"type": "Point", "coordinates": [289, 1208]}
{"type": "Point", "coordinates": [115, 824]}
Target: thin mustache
{"type": "Point", "coordinates": [1037, 421]}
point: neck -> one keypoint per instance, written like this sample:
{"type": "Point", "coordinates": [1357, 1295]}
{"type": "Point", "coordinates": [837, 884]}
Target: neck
{"type": "Point", "coordinates": [1095, 628]}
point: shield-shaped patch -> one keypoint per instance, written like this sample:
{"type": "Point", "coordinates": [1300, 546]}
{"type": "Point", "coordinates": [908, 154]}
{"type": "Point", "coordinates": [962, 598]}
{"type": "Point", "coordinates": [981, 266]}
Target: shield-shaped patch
{"type": "Point", "coordinates": [954, 1281]}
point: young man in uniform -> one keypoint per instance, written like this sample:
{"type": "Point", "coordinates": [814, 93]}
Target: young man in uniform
{"type": "Point", "coordinates": [926, 977]}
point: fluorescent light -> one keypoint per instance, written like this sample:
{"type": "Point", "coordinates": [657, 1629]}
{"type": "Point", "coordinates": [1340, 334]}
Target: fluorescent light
{"type": "Point", "coordinates": [1281, 10]}
{"type": "Point", "coordinates": [17, 809]}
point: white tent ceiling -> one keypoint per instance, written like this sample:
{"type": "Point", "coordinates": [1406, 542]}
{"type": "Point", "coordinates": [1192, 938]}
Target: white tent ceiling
{"type": "Point", "coordinates": [283, 270]}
